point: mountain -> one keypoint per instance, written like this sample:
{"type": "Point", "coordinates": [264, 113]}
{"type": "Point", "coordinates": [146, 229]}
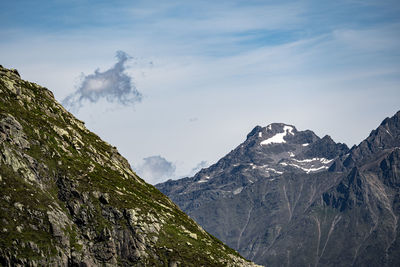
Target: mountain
{"type": "Point", "coordinates": [67, 198]}
{"type": "Point", "coordinates": [288, 197]}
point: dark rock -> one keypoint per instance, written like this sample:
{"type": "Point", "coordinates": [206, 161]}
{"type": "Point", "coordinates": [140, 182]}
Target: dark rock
{"type": "Point", "coordinates": [12, 131]}
{"type": "Point", "coordinates": [15, 71]}
{"type": "Point", "coordinates": [104, 198]}
{"type": "Point", "coordinates": [303, 201]}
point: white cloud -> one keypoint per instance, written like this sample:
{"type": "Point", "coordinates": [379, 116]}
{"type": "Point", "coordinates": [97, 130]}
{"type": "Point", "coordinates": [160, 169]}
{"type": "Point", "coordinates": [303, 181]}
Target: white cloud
{"type": "Point", "coordinates": [201, 165]}
{"type": "Point", "coordinates": [156, 169]}
{"type": "Point", "coordinates": [113, 84]}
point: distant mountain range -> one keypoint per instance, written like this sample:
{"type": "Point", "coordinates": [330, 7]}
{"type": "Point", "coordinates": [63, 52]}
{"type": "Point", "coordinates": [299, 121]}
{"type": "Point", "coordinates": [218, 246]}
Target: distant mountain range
{"type": "Point", "coordinates": [289, 198]}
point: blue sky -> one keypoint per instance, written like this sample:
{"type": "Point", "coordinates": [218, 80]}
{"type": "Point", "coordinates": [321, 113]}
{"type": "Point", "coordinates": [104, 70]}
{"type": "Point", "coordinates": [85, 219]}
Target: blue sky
{"type": "Point", "coordinates": [208, 72]}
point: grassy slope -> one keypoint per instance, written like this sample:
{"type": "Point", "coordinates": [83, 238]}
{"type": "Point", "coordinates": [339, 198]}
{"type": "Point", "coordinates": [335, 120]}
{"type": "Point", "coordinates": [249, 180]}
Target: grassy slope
{"type": "Point", "coordinates": [60, 146]}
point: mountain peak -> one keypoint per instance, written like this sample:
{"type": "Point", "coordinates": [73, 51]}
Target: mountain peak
{"type": "Point", "coordinates": [280, 141]}
{"type": "Point", "coordinates": [278, 134]}
{"type": "Point", "coordinates": [280, 127]}
{"type": "Point", "coordinates": [385, 137]}
{"type": "Point", "coordinates": [391, 120]}
{"type": "Point", "coordinates": [275, 127]}
{"type": "Point", "coordinates": [267, 153]}
{"type": "Point", "coordinates": [278, 131]}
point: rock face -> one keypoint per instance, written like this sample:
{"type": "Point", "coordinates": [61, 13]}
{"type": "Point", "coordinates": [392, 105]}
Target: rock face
{"type": "Point", "coordinates": [70, 199]}
{"type": "Point", "coordinates": [288, 197]}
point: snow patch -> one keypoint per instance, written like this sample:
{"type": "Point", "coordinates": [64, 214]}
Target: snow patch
{"type": "Point", "coordinates": [314, 169]}
{"type": "Point", "coordinates": [253, 166]}
{"type": "Point", "coordinates": [307, 170]}
{"type": "Point", "coordinates": [306, 144]}
{"type": "Point", "coordinates": [388, 132]}
{"type": "Point", "coordinates": [273, 170]}
{"type": "Point", "coordinates": [205, 179]}
{"type": "Point", "coordinates": [325, 161]}
{"type": "Point", "coordinates": [291, 154]}
{"type": "Point", "coordinates": [322, 160]}
{"type": "Point", "coordinates": [265, 167]}
{"type": "Point", "coordinates": [238, 190]}
{"type": "Point", "coordinates": [260, 134]}
{"type": "Point", "coordinates": [278, 138]}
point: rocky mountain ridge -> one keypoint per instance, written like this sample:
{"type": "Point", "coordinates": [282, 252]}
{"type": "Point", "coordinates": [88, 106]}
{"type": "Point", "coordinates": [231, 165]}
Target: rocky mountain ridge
{"type": "Point", "coordinates": [285, 197]}
{"type": "Point", "coordinates": [267, 153]}
{"type": "Point", "coordinates": [70, 199]}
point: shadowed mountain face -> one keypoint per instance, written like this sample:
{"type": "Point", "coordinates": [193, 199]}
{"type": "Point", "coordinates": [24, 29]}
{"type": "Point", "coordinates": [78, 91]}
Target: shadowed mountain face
{"type": "Point", "coordinates": [288, 197]}
{"type": "Point", "coordinates": [67, 198]}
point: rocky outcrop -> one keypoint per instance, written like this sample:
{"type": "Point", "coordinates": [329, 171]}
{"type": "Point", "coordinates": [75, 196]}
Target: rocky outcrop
{"type": "Point", "coordinates": [288, 197]}
{"type": "Point", "coordinates": [67, 198]}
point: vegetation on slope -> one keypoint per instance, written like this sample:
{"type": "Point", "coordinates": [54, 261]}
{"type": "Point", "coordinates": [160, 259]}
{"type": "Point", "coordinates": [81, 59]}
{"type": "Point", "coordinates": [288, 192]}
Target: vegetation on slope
{"type": "Point", "coordinates": [67, 197]}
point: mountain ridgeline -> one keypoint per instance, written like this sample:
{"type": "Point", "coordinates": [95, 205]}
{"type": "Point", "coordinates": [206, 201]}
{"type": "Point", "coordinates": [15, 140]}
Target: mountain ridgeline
{"type": "Point", "coordinates": [289, 198]}
{"type": "Point", "coordinates": [67, 198]}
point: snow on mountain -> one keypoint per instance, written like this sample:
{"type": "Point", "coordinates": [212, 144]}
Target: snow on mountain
{"type": "Point", "coordinates": [279, 137]}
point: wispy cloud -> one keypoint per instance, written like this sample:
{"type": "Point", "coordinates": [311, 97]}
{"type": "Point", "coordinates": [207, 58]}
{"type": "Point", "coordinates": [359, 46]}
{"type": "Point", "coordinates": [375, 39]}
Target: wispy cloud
{"type": "Point", "coordinates": [198, 167]}
{"type": "Point", "coordinates": [113, 84]}
{"type": "Point", "coordinates": [156, 169]}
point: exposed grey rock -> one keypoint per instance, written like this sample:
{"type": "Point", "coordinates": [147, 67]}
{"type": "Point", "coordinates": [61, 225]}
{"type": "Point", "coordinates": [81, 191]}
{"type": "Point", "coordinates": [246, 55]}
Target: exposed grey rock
{"type": "Point", "coordinates": [12, 132]}
{"type": "Point", "coordinates": [303, 201]}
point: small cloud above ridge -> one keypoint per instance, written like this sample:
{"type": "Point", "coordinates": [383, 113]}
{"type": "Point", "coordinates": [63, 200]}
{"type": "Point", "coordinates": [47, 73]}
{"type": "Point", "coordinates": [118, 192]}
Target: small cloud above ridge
{"type": "Point", "coordinates": [113, 84]}
{"type": "Point", "coordinates": [201, 165]}
{"type": "Point", "coordinates": [156, 169]}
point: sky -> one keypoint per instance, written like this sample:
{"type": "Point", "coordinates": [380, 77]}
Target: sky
{"type": "Point", "coordinates": [176, 85]}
